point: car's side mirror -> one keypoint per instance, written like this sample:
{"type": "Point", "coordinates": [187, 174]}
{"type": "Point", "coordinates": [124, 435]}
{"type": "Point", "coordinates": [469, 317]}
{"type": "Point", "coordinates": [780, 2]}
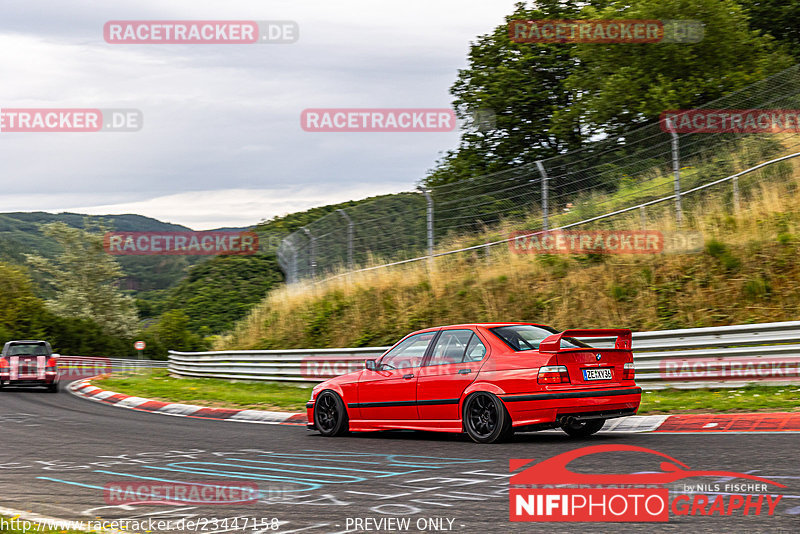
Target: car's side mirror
{"type": "Point", "coordinates": [371, 365]}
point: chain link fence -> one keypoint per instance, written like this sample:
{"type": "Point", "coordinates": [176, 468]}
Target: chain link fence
{"type": "Point", "coordinates": [646, 169]}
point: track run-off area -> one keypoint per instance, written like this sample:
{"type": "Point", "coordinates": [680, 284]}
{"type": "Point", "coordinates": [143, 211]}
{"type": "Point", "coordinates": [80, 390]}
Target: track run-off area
{"type": "Point", "coordinates": [60, 452]}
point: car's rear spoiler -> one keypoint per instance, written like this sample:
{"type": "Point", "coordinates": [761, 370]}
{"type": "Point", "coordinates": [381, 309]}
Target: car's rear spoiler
{"type": "Point", "coordinates": [553, 343]}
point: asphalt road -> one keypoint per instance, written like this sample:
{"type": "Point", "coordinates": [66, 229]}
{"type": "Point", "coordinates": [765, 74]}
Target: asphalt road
{"type": "Point", "coordinates": [58, 453]}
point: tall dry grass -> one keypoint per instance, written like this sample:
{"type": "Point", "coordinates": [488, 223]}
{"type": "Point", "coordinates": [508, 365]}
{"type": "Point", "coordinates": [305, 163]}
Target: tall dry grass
{"type": "Point", "coordinates": [748, 272]}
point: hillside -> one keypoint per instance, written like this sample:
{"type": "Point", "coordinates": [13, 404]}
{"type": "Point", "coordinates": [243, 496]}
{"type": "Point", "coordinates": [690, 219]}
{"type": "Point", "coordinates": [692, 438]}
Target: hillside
{"type": "Point", "coordinates": [216, 293]}
{"type": "Point", "coordinates": [747, 272]}
{"type": "Point", "coordinates": [20, 233]}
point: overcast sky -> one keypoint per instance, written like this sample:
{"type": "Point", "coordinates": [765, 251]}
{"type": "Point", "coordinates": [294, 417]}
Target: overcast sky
{"type": "Point", "coordinates": [222, 143]}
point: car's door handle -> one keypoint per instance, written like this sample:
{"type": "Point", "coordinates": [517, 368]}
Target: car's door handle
{"type": "Point", "coordinates": [409, 375]}
{"type": "Point", "coordinates": [464, 371]}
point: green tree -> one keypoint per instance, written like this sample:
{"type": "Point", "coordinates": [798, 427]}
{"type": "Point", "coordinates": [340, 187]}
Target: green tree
{"type": "Point", "coordinates": [171, 332]}
{"type": "Point", "coordinates": [25, 316]}
{"type": "Point", "coordinates": [778, 18]}
{"type": "Point", "coordinates": [84, 277]}
{"type": "Point", "coordinates": [523, 84]}
{"type": "Point", "coordinates": [21, 313]}
{"type": "Point", "coordinates": [550, 98]}
{"type": "Point", "coordinates": [618, 86]}
{"type": "Point", "coordinates": [217, 293]}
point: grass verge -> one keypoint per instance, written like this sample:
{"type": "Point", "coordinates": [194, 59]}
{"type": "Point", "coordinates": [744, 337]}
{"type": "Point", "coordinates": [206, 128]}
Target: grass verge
{"type": "Point", "coordinates": [158, 385]}
{"type": "Point", "coordinates": [722, 400]}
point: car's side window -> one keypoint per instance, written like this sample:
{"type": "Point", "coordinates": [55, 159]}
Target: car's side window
{"type": "Point", "coordinates": [408, 353]}
{"type": "Point", "coordinates": [450, 347]}
{"type": "Point", "coordinates": [476, 350]}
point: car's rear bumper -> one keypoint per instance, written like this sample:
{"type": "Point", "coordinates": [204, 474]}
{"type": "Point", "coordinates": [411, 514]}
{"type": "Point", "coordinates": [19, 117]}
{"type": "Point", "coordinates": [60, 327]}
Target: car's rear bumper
{"type": "Point", "coordinates": [555, 407]}
{"type": "Point", "coordinates": [29, 382]}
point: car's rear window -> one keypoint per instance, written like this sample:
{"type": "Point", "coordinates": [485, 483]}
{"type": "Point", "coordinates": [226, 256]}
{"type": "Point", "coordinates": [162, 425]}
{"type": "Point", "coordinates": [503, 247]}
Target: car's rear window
{"type": "Point", "coordinates": [28, 349]}
{"type": "Point", "coordinates": [527, 337]}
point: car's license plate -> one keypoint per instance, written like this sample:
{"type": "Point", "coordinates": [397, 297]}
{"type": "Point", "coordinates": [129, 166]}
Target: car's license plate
{"type": "Point", "coordinates": [604, 373]}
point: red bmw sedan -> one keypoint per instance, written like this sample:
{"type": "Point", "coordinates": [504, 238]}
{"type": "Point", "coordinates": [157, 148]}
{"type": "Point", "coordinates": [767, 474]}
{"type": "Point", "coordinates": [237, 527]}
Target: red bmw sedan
{"type": "Point", "coordinates": [488, 380]}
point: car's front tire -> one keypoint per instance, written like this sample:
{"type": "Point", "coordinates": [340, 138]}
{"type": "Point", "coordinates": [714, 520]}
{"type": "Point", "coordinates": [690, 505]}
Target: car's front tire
{"type": "Point", "coordinates": [486, 419]}
{"type": "Point", "coordinates": [583, 429]}
{"type": "Point", "coordinates": [330, 415]}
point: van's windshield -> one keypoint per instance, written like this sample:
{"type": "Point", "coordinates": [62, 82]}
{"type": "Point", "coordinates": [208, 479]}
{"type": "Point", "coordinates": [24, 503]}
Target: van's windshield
{"type": "Point", "coordinates": [28, 349]}
{"type": "Point", "coordinates": [527, 337]}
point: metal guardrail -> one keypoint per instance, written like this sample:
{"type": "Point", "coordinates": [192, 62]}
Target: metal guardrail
{"type": "Point", "coordinates": [74, 367]}
{"type": "Point", "coordinates": [766, 353]}
{"type": "Point", "coordinates": [299, 366]}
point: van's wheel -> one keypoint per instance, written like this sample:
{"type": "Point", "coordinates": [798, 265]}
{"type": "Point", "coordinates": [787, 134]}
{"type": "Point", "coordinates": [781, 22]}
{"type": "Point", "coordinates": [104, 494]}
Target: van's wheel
{"type": "Point", "coordinates": [582, 429]}
{"type": "Point", "coordinates": [330, 415]}
{"type": "Point", "coordinates": [486, 419]}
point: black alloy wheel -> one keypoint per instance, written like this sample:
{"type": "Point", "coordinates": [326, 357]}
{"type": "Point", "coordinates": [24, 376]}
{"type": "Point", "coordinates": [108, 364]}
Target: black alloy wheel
{"type": "Point", "coordinates": [486, 419]}
{"type": "Point", "coordinates": [330, 416]}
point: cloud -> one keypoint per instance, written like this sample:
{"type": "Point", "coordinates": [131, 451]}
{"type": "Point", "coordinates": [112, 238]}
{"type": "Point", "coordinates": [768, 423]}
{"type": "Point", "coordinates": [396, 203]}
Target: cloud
{"type": "Point", "coordinates": [206, 210]}
{"type": "Point", "coordinates": [226, 117]}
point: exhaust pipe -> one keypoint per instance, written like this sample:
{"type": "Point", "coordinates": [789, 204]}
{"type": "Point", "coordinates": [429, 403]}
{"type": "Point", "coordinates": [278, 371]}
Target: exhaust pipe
{"type": "Point", "coordinates": [567, 420]}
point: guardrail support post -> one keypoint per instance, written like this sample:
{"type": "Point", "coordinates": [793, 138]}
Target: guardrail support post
{"type": "Point", "coordinates": [350, 228]}
{"type": "Point", "coordinates": [313, 252]}
{"type": "Point", "coordinates": [545, 196]}
{"type": "Point", "coordinates": [643, 217]}
{"type": "Point", "coordinates": [736, 194]}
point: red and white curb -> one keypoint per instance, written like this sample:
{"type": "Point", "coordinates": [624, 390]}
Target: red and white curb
{"type": "Point", "coordinates": [739, 423]}
{"type": "Point", "coordinates": [83, 388]}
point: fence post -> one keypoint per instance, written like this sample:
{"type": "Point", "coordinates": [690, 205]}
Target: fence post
{"type": "Point", "coordinates": [545, 196]}
{"type": "Point", "coordinates": [349, 237]}
{"type": "Point", "coordinates": [429, 200]}
{"type": "Point", "coordinates": [291, 274]}
{"type": "Point", "coordinates": [313, 252]}
{"type": "Point", "coordinates": [676, 169]}
{"type": "Point", "coordinates": [736, 194]}
{"type": "Point", "coordinates": [643, 217]}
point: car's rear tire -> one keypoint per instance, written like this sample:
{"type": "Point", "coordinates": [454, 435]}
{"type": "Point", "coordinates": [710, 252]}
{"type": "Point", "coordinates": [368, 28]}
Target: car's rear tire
{"type": "Point", "coordinates": [330, 415]}
{"type": "Point", "coordinates": [52, 388]}
{"type": "Point", "coordinates": [486, 419]}
{"type": "Point", "coordinates": [583, 429]}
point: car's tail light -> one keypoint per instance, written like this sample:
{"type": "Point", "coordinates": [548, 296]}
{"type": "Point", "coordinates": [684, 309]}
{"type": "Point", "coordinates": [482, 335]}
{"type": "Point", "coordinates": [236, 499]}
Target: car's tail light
{"type": "Point", "coordinates": [52, 366]}
{"type": "Point", "coordinates": [628, 371]}
{"type": "Point", "coordinates": [553, 374]}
